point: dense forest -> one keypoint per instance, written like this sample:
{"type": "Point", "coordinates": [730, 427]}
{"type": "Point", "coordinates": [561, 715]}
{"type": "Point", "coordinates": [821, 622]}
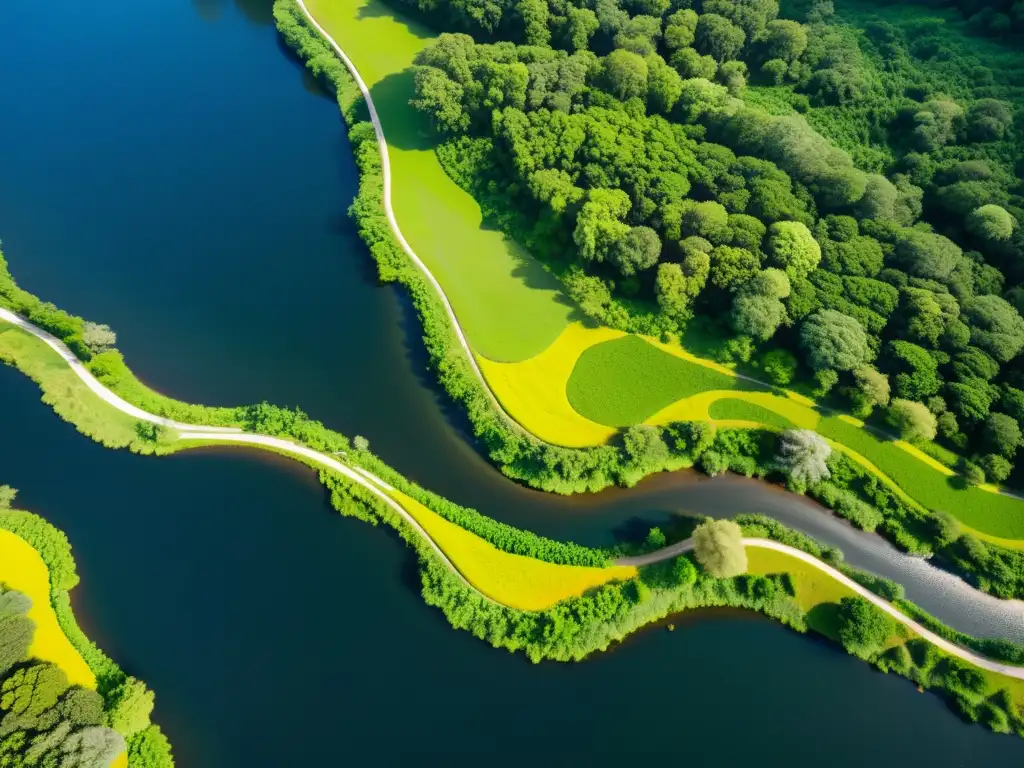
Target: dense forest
{"type": "Point", "coordinates": [832, 200]}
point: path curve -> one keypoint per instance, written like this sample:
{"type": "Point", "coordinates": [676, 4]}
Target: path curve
{"type": "Point", "coordinates": [91, 382]}
{"type": "Point", "coordinates": [385, 161]}
{"type": "Point", "coordinates": [370, 482]}
{"type": "Point", "coordinates": [674, 550]}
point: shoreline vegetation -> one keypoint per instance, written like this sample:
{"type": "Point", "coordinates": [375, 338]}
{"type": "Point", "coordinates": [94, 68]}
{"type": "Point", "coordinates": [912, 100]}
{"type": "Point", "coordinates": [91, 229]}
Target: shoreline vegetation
{"type": "Point", "coordinates": [580, 625]}
{"type": "Point", "coordinates": [83, 706]}
{"type": "Point", "coordinates": [789, 585]}
{"type": "Point", "coordinates": [995, 563]}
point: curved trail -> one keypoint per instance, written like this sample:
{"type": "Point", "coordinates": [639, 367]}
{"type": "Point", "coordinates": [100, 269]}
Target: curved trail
{"type": "Point", "coordinates": [370, 482]}
{"type": "Point", "coordinates": [385, 162]}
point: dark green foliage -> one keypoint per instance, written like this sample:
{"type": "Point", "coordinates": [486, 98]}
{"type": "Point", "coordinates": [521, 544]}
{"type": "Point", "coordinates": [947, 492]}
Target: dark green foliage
{"type": "Point", "coordinates": [863, 628]}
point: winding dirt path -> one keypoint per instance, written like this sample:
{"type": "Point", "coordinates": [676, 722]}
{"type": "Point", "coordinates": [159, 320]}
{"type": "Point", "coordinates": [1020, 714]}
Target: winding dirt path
{"type": "Point", "coordinates": [370, 482]}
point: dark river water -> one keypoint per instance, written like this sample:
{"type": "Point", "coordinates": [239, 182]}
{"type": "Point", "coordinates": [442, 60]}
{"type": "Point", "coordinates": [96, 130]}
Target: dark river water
{"type": "Point", "coordinates": [168, 169]}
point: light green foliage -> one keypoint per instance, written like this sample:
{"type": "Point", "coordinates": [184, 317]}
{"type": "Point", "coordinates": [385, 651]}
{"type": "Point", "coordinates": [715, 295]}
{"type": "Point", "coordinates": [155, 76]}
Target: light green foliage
{"type": "Point", "coordinates": [757, 316]}
{"type": "Point", "coordinates": [872, 390]}
{"type": "Point", "coordinates": [98, 338]}
{"type": "Point", "coordinates": [680, 29]}
{"type": "Point", "coordinates": [626, 74]}
{"type": "Point", "coordinates": [913, 421]}
{"type": "Point", "coordinates": [149, 748]}
{"type": "Point", "coordinates": [1002, 434]}
{"type": "Point", "coordinates": [636, 251]}
{"type": "Point", "coordinates": [599, 225]}
{"type": "Point", "coordinates": [718, 547]}
{"type": "Point", "coordinates": [991, 222]}
{"type": "Point", "coordinates": [834, 341]}
{"type": "Point", "coordinates": [129, 707]}
{"type": "Point", "coordinates": [793, 248]}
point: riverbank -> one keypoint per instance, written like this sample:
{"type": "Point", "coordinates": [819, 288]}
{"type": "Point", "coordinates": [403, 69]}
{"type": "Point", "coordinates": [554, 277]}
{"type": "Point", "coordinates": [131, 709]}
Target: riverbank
{"type": "Point", "coordinates": [36, 560]}
{"type": "Point", "coordinates": [615, 610]}
{"type": "Point", "coordinates": [531, 393]}
{"type": "Point", "coordinates": [549, 467]}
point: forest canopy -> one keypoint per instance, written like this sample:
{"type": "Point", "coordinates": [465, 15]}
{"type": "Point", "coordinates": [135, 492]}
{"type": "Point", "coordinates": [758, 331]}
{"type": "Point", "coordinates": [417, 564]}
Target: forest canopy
{"type": "Point", "coordinates": [839, 185]}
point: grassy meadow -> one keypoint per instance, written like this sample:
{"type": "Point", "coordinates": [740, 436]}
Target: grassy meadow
{"type": "Point", "coordinates": [509, 306]}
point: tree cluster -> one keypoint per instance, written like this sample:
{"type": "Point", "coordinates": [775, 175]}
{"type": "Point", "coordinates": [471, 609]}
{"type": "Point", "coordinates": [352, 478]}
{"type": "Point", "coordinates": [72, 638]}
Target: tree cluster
{"type": "Point", "coordinates": [623, 148]}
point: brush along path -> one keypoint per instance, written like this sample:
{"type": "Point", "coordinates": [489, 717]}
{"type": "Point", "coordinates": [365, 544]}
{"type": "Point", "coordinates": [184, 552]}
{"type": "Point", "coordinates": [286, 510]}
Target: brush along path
{"type": "Point", "coordinates": [513, 580]}
{"type": "Point", "coordinates": [674, 550]}
{"type": "Point", "coordinates": [383, 490]}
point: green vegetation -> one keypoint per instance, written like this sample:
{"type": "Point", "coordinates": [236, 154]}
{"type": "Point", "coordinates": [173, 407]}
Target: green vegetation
{"type": "Point", "coordinates": [509, 306]}
{"type": "Point", "coordinates": [880, 180]}
{"type": "Point", "coordinates": [718, 547]}
{"type": "Point", "coordinates": [624, 381]}
{"type": "Point", "coordinates": [43, 720]}
{"type": "Point", "coordinates": [732, 408]}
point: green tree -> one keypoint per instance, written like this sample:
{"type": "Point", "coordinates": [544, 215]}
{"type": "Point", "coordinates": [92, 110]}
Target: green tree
{"type": "Point", "coordinates": [793, 248]}
{"type": "Point", "coordinates": [997, 468]}
{"type": "Point", "coordinates": [582, 24]}
{"type": "Point", "coordinates": [440, 98]}
{"type": "Point", "coordinates": [718, 37]}
{"type": "Point", "coordinates": [680, 29]}
{"type": "Point", "coordinates": [98, 338]}
{"type": "Point", "coordinates": [149, 748]}
{"type": "Point", "coordinates": [913, 421]}
{"type": "Point", "coordinates": [802, 455]}
{"type": "Point", "coordinates": [995, 326]}
{"type": "Point", "coordinates": [625, 74]}
{"type": "Point", "coordinates": [924, 254]}
{"type": "Point", "coordinates": [129, 707]}
{"type": "Point", "coordinates": [785, 39]}
{"type": "Point", "coordinates": [834, 341]}
{"type": "Point", "coordinates": [599, 224]}
{"type": "Point", "coordinates": [718, 546]}
{"type": "Point", "coordinates": [638, 250]}
{"type": "Point", "coordinates": [1002, 434]}
{"type": "Point", "coordinates": [780, 366]}
{"type": "Point", "coordinates": [992, 223]}
{"type": "Point", "coordinates": [664, 85]}
{"type": "Point", "coordinates": [731, 268]}
{"type": "Point", "coordinates": [872, 390]}
{"type": "Point", "coordinates": [863, 628]}
{"type": "Point", "coordinates": [915, 368]}
{"type": "Point", "coordinates": [757, 316]}
{"type": "Point", "coordinates": [690, 64]}
{"type": "Point", "coordinates": [534, 17]}
{"type": "Point", "coordinates": [7, 495]}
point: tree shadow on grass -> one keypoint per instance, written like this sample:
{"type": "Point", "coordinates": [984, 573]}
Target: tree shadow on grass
{"type": "Point", "coordinates": [374, 9]}
{"type": "Point", "coordinates": [824, 619]}
{"type": "Point", "coordinates": [405, 128]}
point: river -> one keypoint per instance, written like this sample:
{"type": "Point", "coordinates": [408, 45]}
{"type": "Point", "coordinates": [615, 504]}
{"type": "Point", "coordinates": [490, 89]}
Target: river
{"type": "Point", "coordinates": [170, 170]}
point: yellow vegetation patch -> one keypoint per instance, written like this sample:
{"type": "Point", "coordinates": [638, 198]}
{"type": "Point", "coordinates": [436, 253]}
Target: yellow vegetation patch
{"type": "Point", "coordinates": [533, 391]}
{"type": "Point", "coordinates": [696, 408]}
{"type": "Point", "coordinates": [920, 455]}
{"type": "Point", "coordinates": [850, 419]}
{"type": "Point", "coordinates": [23, 569]}
{"type": "Point", "coordinates": [514, 580]}
{"type": "Point", "coordinates": [811, 585]}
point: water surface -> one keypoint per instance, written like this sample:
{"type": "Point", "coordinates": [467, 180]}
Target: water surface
{"type": "Point", "coordinates": [188, 186]}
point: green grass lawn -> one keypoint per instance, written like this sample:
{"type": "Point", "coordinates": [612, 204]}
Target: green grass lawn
{"type": "Point", "coordinates": [732, 408]}
{"type": "Point", "coordinates": [510, 307]}
{"type": "Point", "coordinates": [66, 393]}
{"type": "Point", "coordinates": [625, 381]}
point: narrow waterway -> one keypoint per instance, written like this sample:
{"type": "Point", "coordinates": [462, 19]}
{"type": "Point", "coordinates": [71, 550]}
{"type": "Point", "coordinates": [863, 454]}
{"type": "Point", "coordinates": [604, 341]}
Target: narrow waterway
{"type": "Point", "coordinates": [188, 186]}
